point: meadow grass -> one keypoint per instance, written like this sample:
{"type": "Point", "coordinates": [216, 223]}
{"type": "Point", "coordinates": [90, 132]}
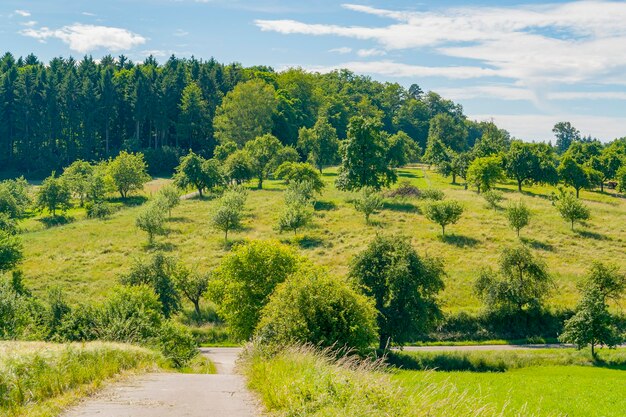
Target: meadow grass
{"type": "Point", "coordinates": [41, 379]}
{"type": "Point", "coordinates": [572, 391]}
{"type": "Point", "coordinates": [504, 360]}
{"type": "Point", "coordinates": [86, 257]}
{"type": "Point", "coordinates": [305, 383]}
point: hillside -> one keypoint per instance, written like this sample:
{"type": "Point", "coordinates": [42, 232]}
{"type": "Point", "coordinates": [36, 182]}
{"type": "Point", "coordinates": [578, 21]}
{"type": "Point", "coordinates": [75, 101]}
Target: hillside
{"type": "Point", "coordinates": [86, 257]}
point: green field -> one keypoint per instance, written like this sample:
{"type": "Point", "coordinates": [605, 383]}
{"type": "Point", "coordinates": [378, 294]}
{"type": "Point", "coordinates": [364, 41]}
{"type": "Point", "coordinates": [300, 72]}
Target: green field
{"type": "Point", "coordinates": [85, 257]}
{"type": "Point", "coordinates": [573, 391]}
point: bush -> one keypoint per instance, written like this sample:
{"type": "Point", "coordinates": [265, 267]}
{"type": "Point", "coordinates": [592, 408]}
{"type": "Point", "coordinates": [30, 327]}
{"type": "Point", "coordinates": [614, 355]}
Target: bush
{"type": "Point", "coordinates": [177, 344]}
{"type": "Point", "coordinates": [432, 194]}
{"type": "Point", "coordinates": [152, 220]}
{"type": "Point", "coordinates": [15, 313]}
{"type": "Point", "coordinates": [131, 315]}
{"type": "Point", "coordinates": [294, 217]}
{"type": "Point", "coordinates": [493, 198]}
{"type": "Point", "coordinates": [313, 307]}
{"type": "Point", "coordinates": [99, 210]}
{"type": "Point", "coordinates": [368, 203]}
{"type": "Point", "coordinates": [572, 209]}
{"type": "Point", "coordinates": [300, 172]}
{"type": "Point", "coordinates": [518, 216]}
{"type": "Point", "coordinates": [8, 224]}
{"type": "Point", "coordinates": [404, 190]}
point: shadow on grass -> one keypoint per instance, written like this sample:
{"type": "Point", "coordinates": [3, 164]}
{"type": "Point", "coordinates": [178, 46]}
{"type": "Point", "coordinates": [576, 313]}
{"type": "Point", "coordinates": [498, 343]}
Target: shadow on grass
{"type": "Point", "coordinates": [52, 221]}
{"type": "Point", "coordinates": [324, 206]}
{"type": "Point", "coordinates": [591, 235]}
{"type": "Point", "coordinates": [231, 243]}
{"type": "Point", "coordinates": [131, 201]}
{"type": "Point", "coordinates": [445, 362]}
{"type": "Point", "coordinates": [536, 244]}
{"type": "Point", "coordinates": [308, 242]}
{"type": "Point", "coordinates": [401, 206]}
{"type": "Point", "coordinates": [160, 246]}
{"type": "Point", "coordinates": [179, 219]}
{"type": "Point", "coordinates": [460, 241]}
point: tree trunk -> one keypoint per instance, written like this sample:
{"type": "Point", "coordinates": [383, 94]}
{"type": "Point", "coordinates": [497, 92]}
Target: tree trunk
{"type": "Point", "coordinates": [593, 350]}
{"type": "Point", "coordinates": [443, 231]}
{"type": "Point", "coordinates": [572, 225]}
{"type": "Point", "coordinates": [200, 191]}
{"type": "Point", "coordinates": [577, 192]}
{"type": "Point", "coordinates": [453, 178]}
{"type": "Point", "coordinates": [602, 186]}
{"type": "Point", "coordinates": [519, 185]}
{"type": "Point", "coordinates": [196, 306]}
{"type": "Point", "coordinates": [260, 185]}
{"type": "Point", "coordinates": [518, 232]}
{"type": "Point", "coordinates": [226, 236]}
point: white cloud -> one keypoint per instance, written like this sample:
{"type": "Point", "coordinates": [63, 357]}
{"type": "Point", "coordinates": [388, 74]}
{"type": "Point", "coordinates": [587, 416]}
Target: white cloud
{"type": "Point", "coordinates": [84, 38]}
{"type": "Point", "coordinates": [538, 127]}
{"type": "Point", "coordinates": [502, 92]}
{"type": "Point", "coordinates": [180, 33]}
{"type": "Point", "coordinates": [23, 13]}
{"type": "Point", "coordinates": [588, 95]}
{"type": "Point", "coordinates": [157, 53]}
{"type": "Point", "coordinates": [396, 69]}
{"type": "Point", "coordinates": [88, 14]}
{"type": "Point", "coordinates": [29, 23]}
{"type": "Point", "coordinates": [341, 50]}
{"type": "Point", "coordinates": [574, 42]}
{"type": "Point", "coordinates": [364, 53]}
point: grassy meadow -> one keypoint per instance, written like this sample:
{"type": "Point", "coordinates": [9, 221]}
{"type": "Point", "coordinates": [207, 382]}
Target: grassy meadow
{"type": "Point", "coordinates": [41, 379]}
{"type": "Point", "coordinates": [85, 257]}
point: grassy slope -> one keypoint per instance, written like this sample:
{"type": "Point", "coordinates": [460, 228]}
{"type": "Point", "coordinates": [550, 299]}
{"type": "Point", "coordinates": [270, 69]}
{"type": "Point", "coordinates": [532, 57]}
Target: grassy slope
{"type": "Point", "coordinates": [86, 256]}
{"type": "Point", "coordinates": [41, 379]}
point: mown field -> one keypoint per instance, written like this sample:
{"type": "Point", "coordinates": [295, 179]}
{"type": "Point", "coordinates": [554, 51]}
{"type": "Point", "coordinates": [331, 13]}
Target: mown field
{"type": "Point", "coordinates": [86, 257]}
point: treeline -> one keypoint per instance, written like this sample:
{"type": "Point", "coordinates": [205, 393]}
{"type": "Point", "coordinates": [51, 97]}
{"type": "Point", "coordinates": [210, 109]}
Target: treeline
{"type": "Point", "coordinates": [53, 114]}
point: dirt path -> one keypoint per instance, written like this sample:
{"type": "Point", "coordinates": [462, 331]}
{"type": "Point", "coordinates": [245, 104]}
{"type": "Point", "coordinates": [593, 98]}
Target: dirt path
{"type": "Point", "coordinates": [176, 395]}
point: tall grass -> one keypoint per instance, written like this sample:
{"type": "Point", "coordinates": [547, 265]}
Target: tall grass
{"type": "Point", "coordinates": [38, 379]}
{"type": "Point", "coordinates": [303, 382]}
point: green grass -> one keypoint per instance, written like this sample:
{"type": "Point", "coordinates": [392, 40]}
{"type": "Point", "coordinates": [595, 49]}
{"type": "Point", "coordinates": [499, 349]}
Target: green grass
{"type": "Point", "coordinates": [41, 379]}
{"type": "Point", "coordinates": [572, 391]}
{"type": "Point", "coordinates": [304, 383]}
{"type": "Point", "coordinates": [86, 256]}
{"type": "Point", "coordinates": [504, 360]}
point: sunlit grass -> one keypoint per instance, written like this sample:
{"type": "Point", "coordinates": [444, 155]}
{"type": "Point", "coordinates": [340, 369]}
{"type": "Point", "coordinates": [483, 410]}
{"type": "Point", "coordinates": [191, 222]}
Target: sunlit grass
{"type": "Point", "coordinates": [86, 256]}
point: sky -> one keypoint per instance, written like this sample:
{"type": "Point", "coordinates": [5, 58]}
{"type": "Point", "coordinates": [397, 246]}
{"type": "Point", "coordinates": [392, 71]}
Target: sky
{"type": "Point", "coordinates": [526, 65]}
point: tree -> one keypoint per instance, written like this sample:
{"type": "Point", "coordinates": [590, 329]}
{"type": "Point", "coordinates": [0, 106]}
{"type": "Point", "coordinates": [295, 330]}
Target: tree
{"type": "Point", "coordinates": [484, 172]}
{"type": "Point", "coordinates": [198, 172]}
{"type": "Point", "coordinates": [313, 307]}
{"type": "Point", "coordinates": [449, 131]}
{"type": "Point", "coordinates": [294, 217]}
{"type": "Point", "coordinates": [319, 143]}
{"type": "Point", "coordinates": [168, 198]}
{"type": "Point", "coordinates": [520, 285]}
{"type": "Point", "coordinates": [573, 174]}
{"type": "Point", "coordinates": [53, 194]}
{"type": "Point", "coordinates": [608, 164]}
{"type": "Point", "coordinates": [364, 157]}
{"type": "Point", "coordinates": [152, 220]}
{"type": "Point", "coordinates": [621, 179]}
{"type": "Point", "coordinates": [10, 251]}
{"type": "Point", "coordinates": [368, 203]}
{"type": "Point", "coordinates": [192, 285]}
{"type": "Point", "coordinates": [592, 324]}
{"type": "Point", "coordinates": [78, 176]}
{"type": "Point", "coordinates": [565, 134]}
{"type": "Point", "coordinates": [404, 287]}
{"type": "Point", "coordinates": [128, 172]}
{"type": "Point", "coordinates": [193, 124]}
{"type": "Point", "coordinates": [245, 280]}
{"type": "Point", "coordinates": [493, 198]}
{"type": "Point", "coordinates": [443, 213]}
{"type": "Point", "coordinates": [402, 150]}
{"type": "Point", "coordinates": [518, 216]}
{"type": "Point", "coordinates": [530, 163]}
{"type": "Point", "coordinates": [299, 172]}
{"type": "Point", "coordinates": [238, 167]}
{"type": "Point", "coordinates": [245, 113]}
{"type": "Point", "coordinates": [158, 273]}
{"type": "Point", "coordinates": [572, 209]}
{"type": "Point", "coordinates": [224, 150]}
{"type": "Point", "coordinates": [263, 151]}
{"type": "Point", "coordinates": [228, 212]}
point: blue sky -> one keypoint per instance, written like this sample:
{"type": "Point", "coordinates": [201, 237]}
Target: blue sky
{"type": "Point", "coordinates": [527, 64]}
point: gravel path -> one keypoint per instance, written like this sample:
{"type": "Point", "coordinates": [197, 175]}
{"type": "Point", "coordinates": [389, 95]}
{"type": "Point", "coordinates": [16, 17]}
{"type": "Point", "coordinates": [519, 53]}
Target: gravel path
{"type": "Point", "coordinates": [176, 395]}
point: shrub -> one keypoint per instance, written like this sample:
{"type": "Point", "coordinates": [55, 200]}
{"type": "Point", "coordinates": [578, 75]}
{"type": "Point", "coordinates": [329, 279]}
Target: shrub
{"type": "Point", "coordinates": [229, 210]}
{"type": "Point", "coordinates": [484, 172]}
{"type": "Point", "coordinates": [53, 194]}
{"type": "Point", "coordinates": [493, 198]}
{"type": "Point", "coordinates": [14, 197]}
{"type": "Point", "coordinates": [99, 210]}
{"type": "Point", "coordinates": [238, 167]}
{"type": "Point", "coordinates": [518, 216]}
{"type": "Point", "coordinates": [444, 213]}
{"type": "Point", "coordinates": [152, 220]}
{"type": "Point", "coordinates": [432, 194]}
{"type": "Point", "coordinates": [313, 307]}
{"type": "Point", "coordinates": [300, 193]}
{"type": "Point", "coordinates": [10, 251]}
{"type": "Point", "coordinates": [572, 209]}
{"type": "Point", "coordinates": [128, 172]}
{"type": "Point", "coordinates": [621, 179]}
{"type": "Point", "coordinates": [168, 198]}
{"type": "Point", "coordinates": [130, 314]}
{"type": "Point", "coordinates": [177, 344]}
{"type": "Point", "coordinates": [8, 224]}
{"type": "Point", "coordinates": [300, 172]}
{"type": "Point", "coordinates": [246, 278]}
{"type": "Point", "coordinates": [368, 203]}
{"type": "Point", "coordinates": [294, 217]}
{"type": "Point", "coordinates": [404, 190]}
{"type": "Point", "coordinates": [77, 176]}
{"type": "Point", "coordinates": [15, 315]}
